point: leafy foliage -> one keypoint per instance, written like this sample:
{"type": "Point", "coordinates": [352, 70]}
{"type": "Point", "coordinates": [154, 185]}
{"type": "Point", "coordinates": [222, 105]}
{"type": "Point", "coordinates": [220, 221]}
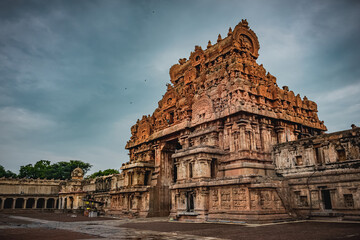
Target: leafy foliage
{"type": "Point", "coordinates": [7, 174]}
{"type": "Point", "coordinates": [104, 173]}
{"type": "Point", "coordinates": [44, 169]}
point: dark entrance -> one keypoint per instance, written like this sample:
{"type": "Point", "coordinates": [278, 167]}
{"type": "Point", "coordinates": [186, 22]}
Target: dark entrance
{"type": "Point", "coordinates": [8, 203]}
{"type": "Point", "coordinates": [40, 203]}
{"type": "Point", "coordinates": [50, 203]}
{"type": "Point", "coordinates": [326, 199]}
{"type": "Point", "coordinates": [19, 203]}
{"type": "Point", "coordinates": [30, 203]}
{"type": "Point", "coordinates": [189, 201]}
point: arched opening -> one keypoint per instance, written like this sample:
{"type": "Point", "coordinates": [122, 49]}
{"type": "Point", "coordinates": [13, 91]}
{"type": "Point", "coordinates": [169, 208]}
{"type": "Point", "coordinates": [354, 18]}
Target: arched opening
{"type": "Point", "coordinates": [19, 203]}
{"type": "Point", "coordinates": [8, 203]}
{"type": "Point", "coordinates": [40, 203]}
{"type": "Point", "coordinates": [30, 203]}
{"type": "Point", "coordinates": [57, 204]}
{"type": "Point", "coordinates": [50, 203]}
{"type": "Point", "coordinates": [65, 203]}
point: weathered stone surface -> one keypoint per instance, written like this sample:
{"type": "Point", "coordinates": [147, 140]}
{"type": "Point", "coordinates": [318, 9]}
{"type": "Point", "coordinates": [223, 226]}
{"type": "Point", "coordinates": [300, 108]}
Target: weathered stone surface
{"type": "Point", "coordinates": [322, 172]}
{"type": "Point", "coordinates": [217, 121]}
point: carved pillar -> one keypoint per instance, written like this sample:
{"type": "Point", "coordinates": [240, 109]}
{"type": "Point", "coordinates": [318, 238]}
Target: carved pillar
{"type": "Point", "coordinates": [236, 140]}
{"type": "Point", "coordinates": [221, 136]}
{"type": "Point", "coordinates": [35, 202]}
{"type": "Point", "coordinates": [265, 138]}
{"type": "Point", "coordinates": [141, 177]}
{"type": "Point", "coordinates": [280, 131]}
{"type": "Point", "coordinates": [257, 138]}
{"type": "Point", "coordinates": [227, 136]}
{"type": "Point", "coordinates": [177, 200]}
{"type": "Point", "coordinates": [242, 134]}
{"type": "Point", "coordinates": [232, 130]}
{"type": "Point", "coordinates": [249, 137]}
{"type": "Point", "coordinates": [203, 200]}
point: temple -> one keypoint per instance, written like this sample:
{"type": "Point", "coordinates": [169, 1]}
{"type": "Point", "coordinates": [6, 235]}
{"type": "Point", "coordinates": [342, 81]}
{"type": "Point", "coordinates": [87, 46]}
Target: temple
{"type": "Point", "coordinates": [226, 143]}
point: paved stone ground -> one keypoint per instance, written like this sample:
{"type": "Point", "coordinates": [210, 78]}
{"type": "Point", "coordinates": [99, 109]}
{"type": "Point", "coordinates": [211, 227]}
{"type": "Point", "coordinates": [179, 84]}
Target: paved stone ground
{"type": "Point", "coordinates": [20, 227]}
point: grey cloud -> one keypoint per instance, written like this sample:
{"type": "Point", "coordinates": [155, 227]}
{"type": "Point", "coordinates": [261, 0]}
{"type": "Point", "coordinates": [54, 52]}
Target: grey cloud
{"type": "Point", "coordinates": [81, 65]}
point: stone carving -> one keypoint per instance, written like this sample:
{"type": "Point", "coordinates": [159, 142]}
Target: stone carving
{"type": "Point", "coordinates": [225, 198]}
{"type": "Point", "coordinates": [239, 198]}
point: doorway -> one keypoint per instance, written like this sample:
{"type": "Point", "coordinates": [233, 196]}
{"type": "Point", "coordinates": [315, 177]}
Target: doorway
{"type": "Point", "coordinates": [326, 198]}
{"type": "Point", "coordinates": [189, 201]}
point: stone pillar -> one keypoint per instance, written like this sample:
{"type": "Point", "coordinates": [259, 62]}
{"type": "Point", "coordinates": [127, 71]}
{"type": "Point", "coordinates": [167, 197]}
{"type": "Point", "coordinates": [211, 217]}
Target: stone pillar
{"type": "Point", "coordinates": [249, 137]}
{"type": "Point", "coordinates": [35, 202]}
{"type": "Point", "coordinates": [13, 203]}
{"type": "Point", "coordinates": [2, 203]}
{"type": "Point", "coordinates": [24, 203]}
{"type": "Point", "coordinates": [203, 200]}
{"type": "Point", "coordinates": [45, 202]}
{"type": "Point", "coordinates": [253, 137]}
{"type": "Point", "coordinates": [227, 136]}
{"type": "Point", "coordinates": [231, 130]}
{"type": "Point", "coordinates": [280, 131]}
{"type": "Point", "coordinates": [265, 138]}
{"type": "Point", "coordinates": [157, 157]}
{"type": "Point", "coordinates": [139, 177]}
{"type": "Point", "coordinates": [242, 135]}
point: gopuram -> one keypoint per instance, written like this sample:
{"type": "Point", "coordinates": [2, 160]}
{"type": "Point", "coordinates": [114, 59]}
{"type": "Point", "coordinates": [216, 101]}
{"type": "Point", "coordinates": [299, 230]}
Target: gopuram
{"type": "Point", "coordinates": [225, 143]}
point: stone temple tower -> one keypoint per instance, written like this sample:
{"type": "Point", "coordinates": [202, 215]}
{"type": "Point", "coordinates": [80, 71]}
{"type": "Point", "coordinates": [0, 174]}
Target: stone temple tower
{"type": "Point", "coordinates": [205, 152]}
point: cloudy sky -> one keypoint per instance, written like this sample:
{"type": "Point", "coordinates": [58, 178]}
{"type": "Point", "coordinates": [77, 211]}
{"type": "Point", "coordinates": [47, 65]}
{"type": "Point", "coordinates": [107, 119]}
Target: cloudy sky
{"type": "Point", "coordinates": [76, 75]}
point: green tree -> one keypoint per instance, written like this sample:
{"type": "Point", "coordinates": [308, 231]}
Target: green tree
{"type": "Point", "coordinates": [60, 170]}
{"type": "Point", "coordinates": [6, 173]}
{"type": "Point", "coordinates": [104, 173]}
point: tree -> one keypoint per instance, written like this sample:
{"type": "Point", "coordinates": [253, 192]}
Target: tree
{"type": "Point", "coordinates": [104, 173]}
{"type": "Point", "coordinates": [60, 170]}
{"type": "Point", "coordinates": [7, 174]}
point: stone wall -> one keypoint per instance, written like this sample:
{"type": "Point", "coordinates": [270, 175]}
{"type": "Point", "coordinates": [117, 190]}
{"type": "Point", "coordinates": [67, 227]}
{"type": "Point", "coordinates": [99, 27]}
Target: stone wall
{"type": "Point", "coordinates": [29, 193]}
{"type": "Point", "coordinates": [323, 172]}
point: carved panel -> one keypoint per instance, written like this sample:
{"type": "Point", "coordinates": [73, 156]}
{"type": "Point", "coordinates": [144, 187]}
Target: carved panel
{"type": "Point", "coordinates": [214, 199]}
{"type": "Point", "coordinates": [266, 199]}
{"type": "Point", "coordinates": [239, 196]}
{"type": "Point", "coordinates": [225, 198]}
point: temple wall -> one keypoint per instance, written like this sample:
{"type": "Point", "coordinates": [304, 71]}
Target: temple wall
{"type": "Point", "coordinates": [323, 172]}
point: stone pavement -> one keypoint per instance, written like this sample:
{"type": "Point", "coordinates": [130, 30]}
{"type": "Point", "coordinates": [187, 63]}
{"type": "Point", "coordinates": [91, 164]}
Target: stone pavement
{"type": "Point", "coordinates": [108, 229]}
{"type": "Point", "coordinates": [161, 228]}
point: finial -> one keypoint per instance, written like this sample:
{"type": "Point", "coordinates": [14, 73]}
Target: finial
{"type": "Point", "coordinates": [209, 44]}
{"type": "Point", "coordinates": [197, 48]}
{"type": "Point", "coordinates": [230, 31]}
{"type": "Point", "coordinates": [219, 38]}
{"type": "Point", "coordinates": [244, 23]}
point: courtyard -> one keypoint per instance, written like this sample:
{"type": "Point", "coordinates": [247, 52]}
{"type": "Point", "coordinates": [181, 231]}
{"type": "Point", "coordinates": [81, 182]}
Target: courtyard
{"type": "Point", "coordinates": [61, 226]}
